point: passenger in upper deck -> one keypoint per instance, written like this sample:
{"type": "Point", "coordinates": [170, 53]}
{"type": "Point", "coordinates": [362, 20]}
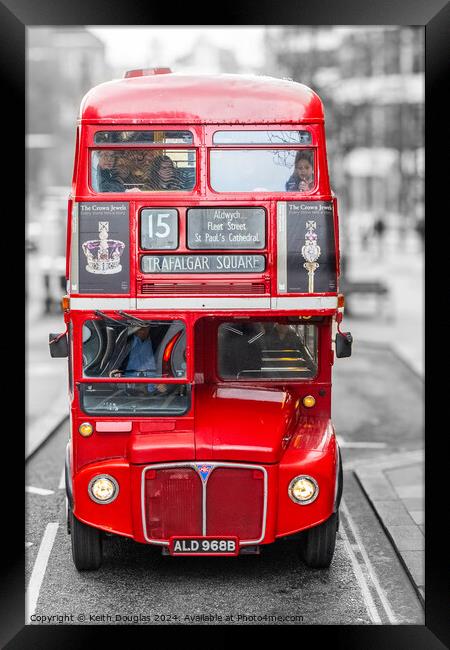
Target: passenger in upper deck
{"type": "Point", "coordinates": [165, 176]}
{"type": "Point", "coordinates": [302, 179]}
{"type": "Point", "coordinates": [107, 179]}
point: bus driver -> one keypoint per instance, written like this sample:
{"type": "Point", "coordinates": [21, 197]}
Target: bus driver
{"type": "Point", "coordinates": [140, 360]}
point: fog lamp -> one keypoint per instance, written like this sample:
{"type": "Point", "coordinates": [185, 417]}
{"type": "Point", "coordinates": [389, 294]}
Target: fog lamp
{"type": "Point", "coordinates": [103, 489]}
{"type": "Point", "coordinates": [86, 429]}
{"type": "Point", "coordinates": [309, 401]}
{"type": "Point", "coordinates": [303, 489]}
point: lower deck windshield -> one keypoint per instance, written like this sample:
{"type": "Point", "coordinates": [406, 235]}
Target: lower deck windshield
{"type": "Point", "coordinates": [135, 399]}
{"type": "Point", "coordinates": [269, 350]}
{"type": "Point", "coordinates": [249, 350]}
{"type": "Point", "coordinates": [120, 349]}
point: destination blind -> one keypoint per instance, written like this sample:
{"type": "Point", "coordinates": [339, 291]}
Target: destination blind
{"type": "Point", "coordinates": [156, 264]}
{"type": "Point", "coordinates": [226, 228]}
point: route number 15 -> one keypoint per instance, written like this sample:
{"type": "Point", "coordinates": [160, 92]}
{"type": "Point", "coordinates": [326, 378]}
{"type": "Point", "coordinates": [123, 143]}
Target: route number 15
{"type": "Point", "coordinates": [159, 229]}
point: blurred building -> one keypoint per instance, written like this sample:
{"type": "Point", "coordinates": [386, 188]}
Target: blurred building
{"type": "Point", "coordinates": [371, 80]}
{"type": "Point", "coordinates": [62, 65]}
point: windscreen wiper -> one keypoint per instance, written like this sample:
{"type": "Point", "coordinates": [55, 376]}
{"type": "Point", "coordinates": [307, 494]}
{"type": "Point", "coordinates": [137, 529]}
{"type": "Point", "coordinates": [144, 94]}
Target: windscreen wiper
{"type": "Point", "coordinates": [142, 323]}
{"type": "Point", "coordinates": [133, 319]}
{"type": "Point", "coordinates": [108, 319]}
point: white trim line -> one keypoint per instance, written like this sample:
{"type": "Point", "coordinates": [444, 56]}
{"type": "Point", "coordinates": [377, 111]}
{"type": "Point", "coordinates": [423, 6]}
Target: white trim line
{"type": "Point", "coordinates": [37, 576]}
{"type": "Point", "coordinates": [203, 303]}
{"type": "Point", "coordinates": [102, 303]}
{"type": "Point", "coordinates": [304, 302]}
{"type": "Point", "coordinates": [220, 303]}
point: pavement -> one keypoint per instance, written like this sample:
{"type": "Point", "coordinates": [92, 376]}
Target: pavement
{"type": "Point", "coordinates": [46, 378]}
{"type": "Point", "coordinates": [394, 486]}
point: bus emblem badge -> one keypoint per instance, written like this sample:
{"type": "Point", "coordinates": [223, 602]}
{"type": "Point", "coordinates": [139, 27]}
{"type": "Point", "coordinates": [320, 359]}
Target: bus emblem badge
{"type": "Point", "coordinates": [204, 471]}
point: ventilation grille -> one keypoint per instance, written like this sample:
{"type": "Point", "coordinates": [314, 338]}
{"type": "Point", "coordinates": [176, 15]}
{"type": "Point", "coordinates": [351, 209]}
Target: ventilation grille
{"type": "Point", "coordinates": [203, 288]}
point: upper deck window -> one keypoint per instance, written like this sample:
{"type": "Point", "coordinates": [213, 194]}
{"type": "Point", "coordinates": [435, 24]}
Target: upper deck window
{"type": "Point", "coordinates": [143, 137]}
{"type": "Point", "coordinates": [262, 137]}
{"type": "Point", "coordinates": [262, 170]}
{"type": "Point", "coordinates": [143, 170]}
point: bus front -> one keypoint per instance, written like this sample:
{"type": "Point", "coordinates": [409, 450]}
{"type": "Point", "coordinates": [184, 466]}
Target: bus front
{"type": "Point", "coordinates": [201, 312]}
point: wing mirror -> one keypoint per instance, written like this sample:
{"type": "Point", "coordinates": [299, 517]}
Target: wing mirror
{"type": "Point", "coordinates": [343, 344]}
{"type": "Point", "coordinates": [58, 345]}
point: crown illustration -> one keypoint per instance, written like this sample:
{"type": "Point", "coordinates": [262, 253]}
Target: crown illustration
{"type": "Point", "coordinates": [103, 254]}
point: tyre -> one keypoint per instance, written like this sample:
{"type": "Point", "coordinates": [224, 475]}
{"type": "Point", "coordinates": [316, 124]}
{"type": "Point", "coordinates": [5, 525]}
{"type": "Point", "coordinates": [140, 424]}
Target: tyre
{"type": "Point", "coordinates": [86, 545]}
{"type": "Point", "coordinates": [317, 546]}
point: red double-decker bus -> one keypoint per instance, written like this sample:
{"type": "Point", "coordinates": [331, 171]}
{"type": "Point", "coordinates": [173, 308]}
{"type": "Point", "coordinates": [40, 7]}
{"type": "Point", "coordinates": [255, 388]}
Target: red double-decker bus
{"type": "Point", "coordinates": [202, 315]}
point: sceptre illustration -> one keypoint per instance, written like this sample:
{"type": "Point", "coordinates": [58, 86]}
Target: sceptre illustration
{"type": "Point", "coordinates": [311, 253]}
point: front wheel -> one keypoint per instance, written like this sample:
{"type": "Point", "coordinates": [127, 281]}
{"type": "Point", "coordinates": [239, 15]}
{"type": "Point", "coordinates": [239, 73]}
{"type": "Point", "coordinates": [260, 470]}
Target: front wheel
{"type": "Point", "coordinates": [317, 547]}
{"type": "Point", "coordinates": [87, 551]}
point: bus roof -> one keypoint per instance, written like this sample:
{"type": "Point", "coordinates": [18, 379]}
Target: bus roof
{"type": "Point", "coordinates": [201, 99]}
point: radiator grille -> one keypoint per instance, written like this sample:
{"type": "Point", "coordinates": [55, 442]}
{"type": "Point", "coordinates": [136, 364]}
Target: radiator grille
{"type": "Point", "coordinates": [234, 498]}
{"type": "Point", "coordinates": [237, 496]}
{"type": "Point", "coordinates": [173, 502]}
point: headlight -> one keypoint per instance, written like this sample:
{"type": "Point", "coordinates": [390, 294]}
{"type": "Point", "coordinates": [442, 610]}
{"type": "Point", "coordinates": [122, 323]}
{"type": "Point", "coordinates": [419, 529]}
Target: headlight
{"type": "Point", "coordinates": [303, 490]}
{"type": "Point", "coordinates": [103, 489]}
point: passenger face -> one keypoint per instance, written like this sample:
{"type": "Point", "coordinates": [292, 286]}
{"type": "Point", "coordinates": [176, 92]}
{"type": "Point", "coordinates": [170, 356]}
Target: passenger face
{"type": "Point", "coordinates": [304, 170]}
{"type": "Point", "coordinates": [106, 160]}
{"type": "Point", "coordinates": [166, 170]}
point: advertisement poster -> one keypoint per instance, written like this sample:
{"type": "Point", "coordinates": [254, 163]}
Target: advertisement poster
{"type": "Point", "coordinates": [104, 248]}
{"type": "Point", "coordinates": [310, 247]}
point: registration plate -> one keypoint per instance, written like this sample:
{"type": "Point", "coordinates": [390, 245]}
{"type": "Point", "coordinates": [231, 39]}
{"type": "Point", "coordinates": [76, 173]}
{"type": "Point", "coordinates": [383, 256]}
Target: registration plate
{"type": "Point", "coordinates": [203, 546]}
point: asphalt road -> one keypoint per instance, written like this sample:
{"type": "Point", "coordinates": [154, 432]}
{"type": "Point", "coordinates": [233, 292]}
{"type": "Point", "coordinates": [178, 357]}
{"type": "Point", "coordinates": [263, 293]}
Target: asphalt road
{"type": "Point", "coordinates": [377, 409]}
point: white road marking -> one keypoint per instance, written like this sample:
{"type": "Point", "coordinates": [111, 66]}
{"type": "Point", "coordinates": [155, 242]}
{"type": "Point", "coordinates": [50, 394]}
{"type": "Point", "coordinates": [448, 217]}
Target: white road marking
{"type": "Point", "coordinates": [35, 490]}
{"type": "Point", "coordinates": [62, 480]}
{"type": "Point", "coordinates": [40, 369]}
{"type": "Point", "coordinates": [381, 594]}
{"type": "Point", "coordinates": [369, 602]}
{"type": "Point", "coordinates": [360, 444]}
{"type": "Point", "coordinates": [37, 576]}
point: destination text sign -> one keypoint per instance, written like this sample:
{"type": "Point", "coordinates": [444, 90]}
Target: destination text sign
{"type": "Point", "coordinates": [203, 264]}
{"type": "Point", "coordinates": [226, 228]}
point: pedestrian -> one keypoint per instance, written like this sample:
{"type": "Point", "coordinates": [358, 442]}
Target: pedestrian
{"type": "Point", "coordinates": [420, 230]}
{"type": "Point", "coordinates": [379, 229]}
